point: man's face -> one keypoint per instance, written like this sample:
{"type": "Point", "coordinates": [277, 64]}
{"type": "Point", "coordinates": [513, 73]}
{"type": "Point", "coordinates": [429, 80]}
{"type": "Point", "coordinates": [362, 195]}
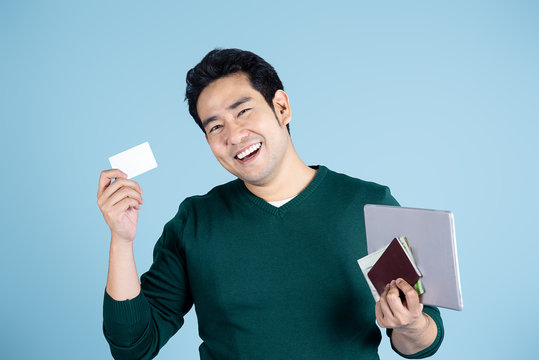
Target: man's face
{"type": "Point", "coordinates": [246, 136]}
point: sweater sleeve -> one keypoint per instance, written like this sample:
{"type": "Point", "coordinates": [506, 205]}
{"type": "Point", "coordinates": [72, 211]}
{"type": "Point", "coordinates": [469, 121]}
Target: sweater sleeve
{"type": "Point", "coordinates": [434, 313]}
{"type": "Point", "coordinates": [138, 328]}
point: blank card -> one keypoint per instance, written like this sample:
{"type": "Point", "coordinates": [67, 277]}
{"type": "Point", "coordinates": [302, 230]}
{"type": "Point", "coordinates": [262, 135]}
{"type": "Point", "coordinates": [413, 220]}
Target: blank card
{"type": "Point", "coordinates": [134, 161]}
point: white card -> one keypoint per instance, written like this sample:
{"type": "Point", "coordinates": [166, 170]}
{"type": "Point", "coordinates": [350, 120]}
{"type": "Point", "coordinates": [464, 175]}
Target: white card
{"type": "Point", "coordinates": [134, 161]}
{"type": "Point", "coordinates": [366, 263]}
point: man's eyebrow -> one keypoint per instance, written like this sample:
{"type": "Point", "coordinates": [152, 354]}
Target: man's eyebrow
{"type": "Point", "coordinates": [208, 120]}
{"type": "Point", "coordinates": [239, 102]}
{"type": "Point", "coordinates": [231, 107]}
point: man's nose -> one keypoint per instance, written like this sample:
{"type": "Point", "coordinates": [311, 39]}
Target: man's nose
{"type": "Point", "coordinates": [236, 133]}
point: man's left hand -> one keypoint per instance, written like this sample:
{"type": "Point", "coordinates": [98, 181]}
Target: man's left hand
{"type": "Point", "coordinates": [392, 312]}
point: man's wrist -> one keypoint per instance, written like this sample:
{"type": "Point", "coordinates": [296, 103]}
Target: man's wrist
{"type": "Point", "coordinates": [120, 244]}
{"type": "Point", "coordinates": [420, 325]}
{"type": "Point", "coordinates": [416, 337]}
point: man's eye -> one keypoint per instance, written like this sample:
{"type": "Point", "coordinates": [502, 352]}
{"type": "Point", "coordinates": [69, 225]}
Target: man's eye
{"type": "Point", "coordinates": [215, 128]}
{"type": "Point", "coordinates": [243, 111]}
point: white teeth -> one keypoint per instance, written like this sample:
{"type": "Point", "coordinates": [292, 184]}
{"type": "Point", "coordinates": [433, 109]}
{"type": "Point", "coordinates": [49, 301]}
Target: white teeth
{"type": "Point", "coordinates": [249, 151]}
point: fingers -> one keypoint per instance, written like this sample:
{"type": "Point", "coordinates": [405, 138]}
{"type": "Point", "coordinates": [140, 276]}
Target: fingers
{"type": "Point", "coordinates": [384, 306]}
{"type": "Point", "coordinates": [122, 193]}
{"type": "Point", "coordinates": [106, 176]}
{"type": "Point", "coordinates": [393, 298]}
{"type": "Point", "coordinates": [379, 315]}
{"type": "Point", "coordinates": [127, 203]}
{"type": "Point", "coordinates": [412, 297]}
{"type": "Point", "coordinates": [120, 184]}
{"type": "Point", "coordinates": [383, 312]}
{"type": "Point", "coordinates": [109, 190]}
{"type": "Point", "coordinates": [391, 312]}
{"type": "Point", "coordinates": [119, 202]}
{"type": "Point", "coordinates": [118, 196]}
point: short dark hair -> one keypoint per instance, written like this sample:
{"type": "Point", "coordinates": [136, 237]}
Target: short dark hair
{"type": "Point", "coordinates": [222, 62]}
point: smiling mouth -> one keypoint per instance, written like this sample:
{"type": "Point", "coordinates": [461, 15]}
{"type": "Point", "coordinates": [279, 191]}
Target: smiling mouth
{"type": "Point", "coordinates": [249, 152]}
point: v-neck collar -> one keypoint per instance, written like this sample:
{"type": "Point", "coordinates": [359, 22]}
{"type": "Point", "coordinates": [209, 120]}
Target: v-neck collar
{"type": "Point", "coordinates": [264, 205]}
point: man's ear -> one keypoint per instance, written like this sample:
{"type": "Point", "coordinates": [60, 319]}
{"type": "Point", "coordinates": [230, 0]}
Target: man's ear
{"type": "Point", "coordinates": [282, 107]}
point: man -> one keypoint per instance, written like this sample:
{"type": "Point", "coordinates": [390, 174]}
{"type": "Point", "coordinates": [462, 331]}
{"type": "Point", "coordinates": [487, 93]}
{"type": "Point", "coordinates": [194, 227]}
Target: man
{"type": "Point", "coordinates": [269, 259]}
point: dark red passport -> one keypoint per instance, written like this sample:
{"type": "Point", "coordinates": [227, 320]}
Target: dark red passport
{"type": "Point", "coordinates": [393, 264]}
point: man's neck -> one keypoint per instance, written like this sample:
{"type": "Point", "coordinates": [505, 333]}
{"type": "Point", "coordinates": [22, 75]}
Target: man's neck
{"type": "Point", "coordinates": [292, 178]}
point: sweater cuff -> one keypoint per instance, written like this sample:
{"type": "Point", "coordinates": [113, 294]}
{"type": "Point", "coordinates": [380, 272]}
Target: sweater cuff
{"type": "Point", "coordinates": [126, 312]}
{"type": "Point", "coordinates": [431, 350]}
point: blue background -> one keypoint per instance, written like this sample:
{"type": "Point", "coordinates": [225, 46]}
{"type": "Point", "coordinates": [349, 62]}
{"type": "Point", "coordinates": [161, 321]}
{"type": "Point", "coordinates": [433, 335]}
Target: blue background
{"type": "Point", "coordinates": [438, 100]}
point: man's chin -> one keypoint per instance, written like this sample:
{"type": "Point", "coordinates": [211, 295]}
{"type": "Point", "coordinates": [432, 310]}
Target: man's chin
{"type": "Point", "coordinates": [253, 179]}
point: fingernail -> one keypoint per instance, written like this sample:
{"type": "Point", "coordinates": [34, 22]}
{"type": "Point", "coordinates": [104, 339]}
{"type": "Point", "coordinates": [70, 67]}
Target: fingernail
{"type": "Point", "coordinates": [387, 286]}
{"type": "Point", "coordinates": [399, 280]}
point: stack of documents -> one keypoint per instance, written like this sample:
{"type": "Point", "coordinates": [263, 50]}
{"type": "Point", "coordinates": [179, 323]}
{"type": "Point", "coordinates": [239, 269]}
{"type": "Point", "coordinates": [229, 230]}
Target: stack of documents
{"type": "Point", "coordinates": [432, 239]}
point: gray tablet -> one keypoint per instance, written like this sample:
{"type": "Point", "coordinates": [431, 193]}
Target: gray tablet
{"type": "Point", "coordinates": [431, 235]}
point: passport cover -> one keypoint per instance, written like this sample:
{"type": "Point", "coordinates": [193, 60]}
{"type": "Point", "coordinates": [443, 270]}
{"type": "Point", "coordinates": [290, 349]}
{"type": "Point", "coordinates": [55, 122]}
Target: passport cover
{"type": "Point", "coordinates": [394, 263]}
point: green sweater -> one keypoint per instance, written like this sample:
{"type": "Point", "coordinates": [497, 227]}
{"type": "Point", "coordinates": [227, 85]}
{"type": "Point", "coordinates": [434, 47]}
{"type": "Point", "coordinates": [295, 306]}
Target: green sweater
{"type": "Point", "coordinates": [267, 282]}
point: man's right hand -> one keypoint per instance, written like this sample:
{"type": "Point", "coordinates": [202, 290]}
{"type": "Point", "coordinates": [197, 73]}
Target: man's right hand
{"type": "Point", "coordinates": [119, 202]}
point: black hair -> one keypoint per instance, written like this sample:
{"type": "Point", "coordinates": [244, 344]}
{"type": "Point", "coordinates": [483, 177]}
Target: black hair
{"type": "Point", "coordinates": [222, 62]}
